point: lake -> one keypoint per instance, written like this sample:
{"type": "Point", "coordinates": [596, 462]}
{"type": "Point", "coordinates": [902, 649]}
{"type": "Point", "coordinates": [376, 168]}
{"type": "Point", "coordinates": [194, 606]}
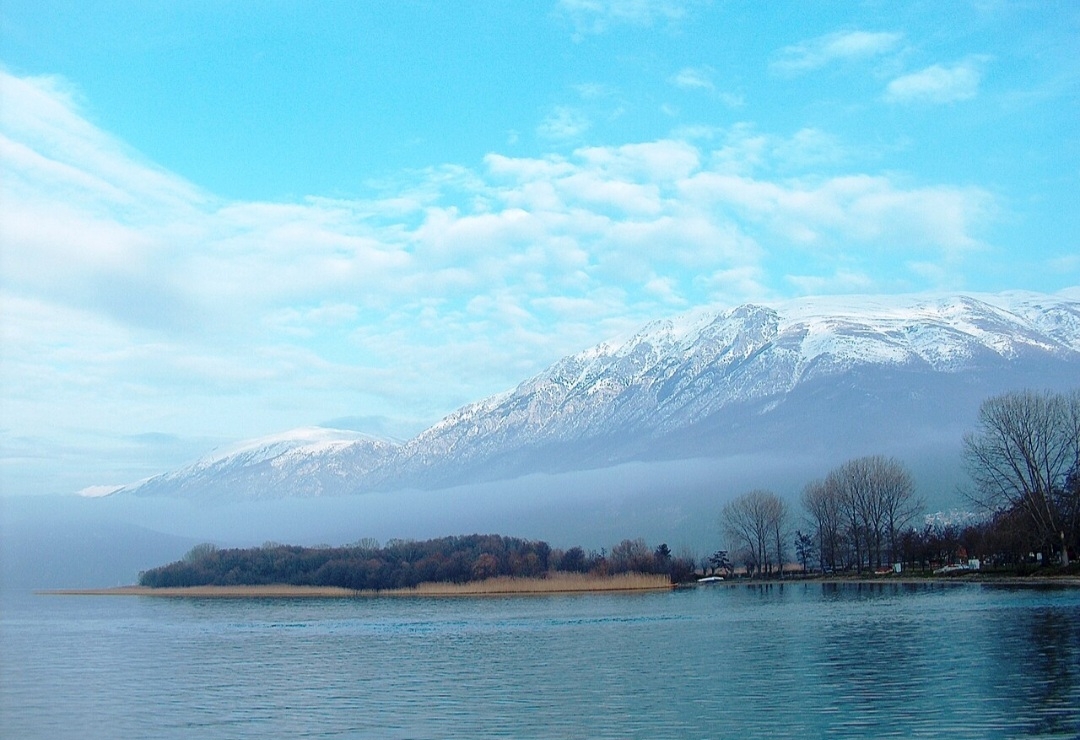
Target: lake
{"type": "Point", "coordinates": [792, 660]}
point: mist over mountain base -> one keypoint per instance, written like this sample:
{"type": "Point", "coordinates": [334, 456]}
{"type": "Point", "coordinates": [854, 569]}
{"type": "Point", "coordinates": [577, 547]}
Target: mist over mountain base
{"type": "Point", "coordinates": [72, 542]}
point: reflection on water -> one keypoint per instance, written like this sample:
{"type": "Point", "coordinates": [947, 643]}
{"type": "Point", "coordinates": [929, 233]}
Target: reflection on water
{"type": "Point", "coordinates": [762, 661]}
{"type": "Point", "coordinates": [1049, 650]}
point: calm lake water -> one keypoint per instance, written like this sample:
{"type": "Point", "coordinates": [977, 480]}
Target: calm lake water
{"type": "Point", "coordinates": [714, 662]}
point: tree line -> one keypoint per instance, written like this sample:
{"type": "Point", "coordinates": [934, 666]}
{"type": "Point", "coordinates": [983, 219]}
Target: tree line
{"type": "Point", "coordinates": [1023, 460]}
{"type": "Point", "coordinates": [855, 516]}
{"type": "Point", "coordinates": [406, 563]}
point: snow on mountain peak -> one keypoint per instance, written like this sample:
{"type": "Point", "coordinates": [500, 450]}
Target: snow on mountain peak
{"type": "Point", "coordinates": [676, 370]}
{"type": "Point", "coordinates": [309, 461]}
{"type": "Point", "coordinates": [945, 332]}
{"type": "Point", "coordinates": [681, 376]}
{"type": "Point", "coordinates": [302, 440]}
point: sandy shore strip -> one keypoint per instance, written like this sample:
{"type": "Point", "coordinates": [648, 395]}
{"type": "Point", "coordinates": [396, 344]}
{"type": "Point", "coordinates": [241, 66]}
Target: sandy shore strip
{"type": "Point", "coordinates": [562, 584]}
{"type": "Point", "coordinates": [232, 592]}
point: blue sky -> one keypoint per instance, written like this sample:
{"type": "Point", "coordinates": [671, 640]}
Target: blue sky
{"type": "Point", "coordinates": [220, 220]}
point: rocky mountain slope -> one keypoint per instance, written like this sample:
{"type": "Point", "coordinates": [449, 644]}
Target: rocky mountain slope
{"type": "Point", "coordinates": [831, 376]}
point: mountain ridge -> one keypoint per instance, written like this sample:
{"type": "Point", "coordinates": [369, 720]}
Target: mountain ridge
{"type": "Point", "coordinates": [720, 380]}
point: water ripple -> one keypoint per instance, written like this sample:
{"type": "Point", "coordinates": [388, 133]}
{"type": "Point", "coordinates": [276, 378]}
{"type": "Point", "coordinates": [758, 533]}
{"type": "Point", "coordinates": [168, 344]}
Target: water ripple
{"type": "Point", "coordinates": [744, 662]}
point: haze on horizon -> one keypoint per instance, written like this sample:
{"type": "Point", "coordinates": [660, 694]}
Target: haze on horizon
{"type": "Point", "coordinates": [221, 221]}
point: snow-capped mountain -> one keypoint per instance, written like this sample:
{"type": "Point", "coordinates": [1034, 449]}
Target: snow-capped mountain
{"type": "Point", "coordinates": [714, 382]}
{"type": "Point", "coordinates": [836, 376]}
{"type": "Point", "coordinates": [311, 461]}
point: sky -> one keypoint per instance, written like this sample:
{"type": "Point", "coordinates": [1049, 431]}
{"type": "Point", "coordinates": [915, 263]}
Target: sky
{"type": "Point", "coordinates": [221, 220]}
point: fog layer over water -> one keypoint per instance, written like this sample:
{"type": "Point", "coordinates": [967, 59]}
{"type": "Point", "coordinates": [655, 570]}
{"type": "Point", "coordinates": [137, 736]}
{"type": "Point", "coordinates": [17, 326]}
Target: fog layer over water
{"type": "Point", "coordinates": [55, 541]}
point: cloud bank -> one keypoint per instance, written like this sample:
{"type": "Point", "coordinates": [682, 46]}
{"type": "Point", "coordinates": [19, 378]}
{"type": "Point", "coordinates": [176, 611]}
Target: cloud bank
{"type": "Point", "coordinates": [834, 47]}
{"type": "Point", "coordinates": [935, 84]}
{"type": "Point", "coordinates": [130, 294]}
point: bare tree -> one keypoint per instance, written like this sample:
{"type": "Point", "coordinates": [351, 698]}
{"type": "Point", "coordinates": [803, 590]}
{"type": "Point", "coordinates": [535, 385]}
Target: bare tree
{"type": "Point", "coordinates": [201, 551]}
{"type": "Point", "coordinates": [778, 528]}
{"type": "Point", "coordinates": [899, 504]}
{"type": "Point", "coordinates": [1025, 455]}
{"type": "Point", "coordinates": [825, 510]}
{"type": "Point", "coordinates": [632, 555]}
{"type": "Point", "coordinates": [849, 483]}
{"type": "Point", "coordinates": [1068, 494]}
{"type": "Point", "coordinates": [756, 523]}
{"type": "Point", "coordinates": [707, 568]}
{"type": "Point", "coordinates": [874, 498]}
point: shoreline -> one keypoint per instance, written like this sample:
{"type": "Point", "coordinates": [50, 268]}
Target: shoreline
{"type": "Point", "coordinates": [630, 583]}
{"type": "Point", "coordinates": [978, 580]}
{"type": "Point", "coordinates": [561, 585]}
{"type": "Point", "coordinates": [1068, 581]}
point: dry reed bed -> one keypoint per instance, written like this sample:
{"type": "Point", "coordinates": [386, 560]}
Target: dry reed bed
{"type": "Point", "coordinates": [255, 592]}
{"type": "Point", "coordinates": [559, 584]}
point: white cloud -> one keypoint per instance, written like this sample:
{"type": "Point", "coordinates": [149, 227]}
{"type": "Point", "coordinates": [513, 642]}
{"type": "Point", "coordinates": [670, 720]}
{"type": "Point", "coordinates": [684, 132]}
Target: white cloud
{"type": "Point", "coordinates": [935, 84]}
{"type": "Point", "coordinates": [41, 114]}
{"type": "Point", "coordinates": [594, 191]}
{"type": "Point", "coordinates": [598, 16]}
{"type": "Point", "coordinates": [131, 300]}
{"type": "Point", "coordinates": [691, 78]}
{"type": "Point", "coordinates": [935, 273]}
{"type": "Point", "coordinates": [666, 289]}
{"type": "Point", "coordinates": [1065, 265]}
{"type": "Point", "coordinates": [731, 100]}
{"type": "Point", "coordinates": [808, 148]}
{"type": "Point", "coordinates": [563, 123]}
{"type": "Point", "coordinates": [463, 231]}
{"type": "Point", "coordinates": [658, 161]}
{"type": "Point", "coordinates": [593, 91]}
{"type": "Point", "coordinates": [746, 282]}
{"type": "Point", "coordinates": [841, 46]}
{"type": "Point", "coordinates": [843, 281]}
{"type": "Point", "coordinates": [849, 210]}
{"type": "Point", "coordinates": [744, 150]}
{"type": "Point", "coordinates": [701, 79]}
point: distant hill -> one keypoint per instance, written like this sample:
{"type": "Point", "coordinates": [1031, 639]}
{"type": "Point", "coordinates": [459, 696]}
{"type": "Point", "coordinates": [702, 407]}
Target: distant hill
{"type": "Point", "coordinates": [311, 461]}
{"type": "Point", "coordinates": [64, 542]}
{"type": "Point", "coordinates": [822, 378]}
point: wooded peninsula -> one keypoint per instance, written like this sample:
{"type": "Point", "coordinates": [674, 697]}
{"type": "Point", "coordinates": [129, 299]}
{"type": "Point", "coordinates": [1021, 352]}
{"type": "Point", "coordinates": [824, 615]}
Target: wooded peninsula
{"type": "Point", "coordinates": [406, 564]}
